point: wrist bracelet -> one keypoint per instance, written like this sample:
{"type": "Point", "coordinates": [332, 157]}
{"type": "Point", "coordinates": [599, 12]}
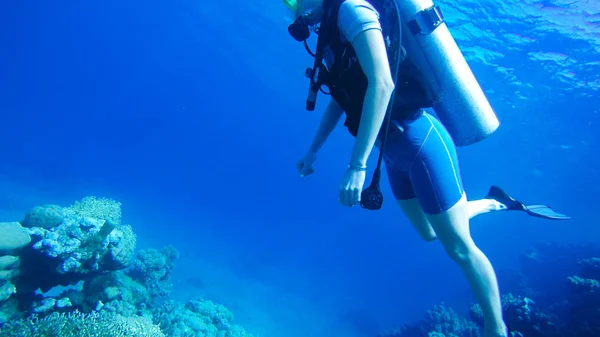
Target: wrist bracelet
{"type": "Point", "coordinates": [363, 168]}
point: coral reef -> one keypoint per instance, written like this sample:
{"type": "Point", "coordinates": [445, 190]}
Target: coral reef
{"type": "Point", "coordinates": [77, 324]}
{"type": "Point", "coordinates": [13, 240]}
{"type": "Point", "coordinates": [105, 287]}
{"type": "Point", "coordinates": [441, 321]}
{"type": "Point", "coordinates": [70, 245]}
{"type": "Point", "coordinates": [197, 318]}
{"type": "Point", "coordinates": [47, 217]}
{"type": "Point", "coordinates": [152, 268]}
{"type": "Point", "coordinates": [522, 316]}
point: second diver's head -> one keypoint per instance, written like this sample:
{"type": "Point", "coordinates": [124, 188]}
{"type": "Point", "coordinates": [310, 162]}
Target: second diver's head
{"type": "Point", "coordinates": [310, 11]}
{"type": "Point", "coordinates": [306, 13]}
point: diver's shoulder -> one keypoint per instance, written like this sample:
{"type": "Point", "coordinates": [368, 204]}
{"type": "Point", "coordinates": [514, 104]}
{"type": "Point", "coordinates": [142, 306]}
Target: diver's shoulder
{"type": "Point", "coordinates": [357, 16]}
{"type": "Point", "coordinates": [357, 5]}
{"type": "Point", "coordinates": [356, 2]}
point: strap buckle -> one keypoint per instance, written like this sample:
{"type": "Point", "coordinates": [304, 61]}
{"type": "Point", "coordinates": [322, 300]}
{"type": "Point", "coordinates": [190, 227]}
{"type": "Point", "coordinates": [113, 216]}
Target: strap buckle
{"type": "Point", "coordinates": [426, 21]}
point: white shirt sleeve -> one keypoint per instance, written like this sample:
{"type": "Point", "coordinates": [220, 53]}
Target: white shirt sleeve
{"type": "Point", "coordinates": [355, 17]}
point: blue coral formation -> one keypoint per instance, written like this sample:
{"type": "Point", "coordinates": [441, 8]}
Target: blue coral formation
{"type": "Point", "coordinates": [556, 293]}
{"type": "Point", "coordinates": [97, 324]}
{"type": "Point", "coordinates": [152, 268]}
{"type": "Point", "coordinates": [441, 321]}
{"type": "Point", "coordinates": [106, 287]}
{"type": "Point", "coordinates": [197, 318]}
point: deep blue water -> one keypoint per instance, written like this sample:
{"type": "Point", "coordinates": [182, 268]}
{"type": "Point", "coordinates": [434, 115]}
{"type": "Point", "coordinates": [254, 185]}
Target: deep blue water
{"type": "Point", "coordinates": [191, 113]}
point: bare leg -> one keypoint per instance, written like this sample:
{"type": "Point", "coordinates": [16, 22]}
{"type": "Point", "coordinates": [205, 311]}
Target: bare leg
{"type": "Point", "coordinates": [452, 228]}
{"type": "Point", "coordinates": [418, 219]}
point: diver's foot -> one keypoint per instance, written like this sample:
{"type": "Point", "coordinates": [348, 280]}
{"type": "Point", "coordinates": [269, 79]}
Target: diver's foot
{"type": "Point", "coordinates": [495, 205]}
{"type": "Point", "coordinates": [501, 331]}
{"type": "Point", "coordinates": [504, 201]}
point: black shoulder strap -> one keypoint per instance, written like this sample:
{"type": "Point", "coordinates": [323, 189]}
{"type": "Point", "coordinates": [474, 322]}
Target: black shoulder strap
{"type": "Point", "coordinates": [327, 33]}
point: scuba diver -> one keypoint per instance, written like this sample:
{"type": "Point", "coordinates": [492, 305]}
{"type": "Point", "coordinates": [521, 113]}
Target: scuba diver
{"type": "Point", "coordinates": [369, 54]}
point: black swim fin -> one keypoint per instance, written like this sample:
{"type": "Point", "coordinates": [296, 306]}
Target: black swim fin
{"type": "Point", "coordinates": [543, 211]}
{"type": "Point", "coordinates": [540, 211]}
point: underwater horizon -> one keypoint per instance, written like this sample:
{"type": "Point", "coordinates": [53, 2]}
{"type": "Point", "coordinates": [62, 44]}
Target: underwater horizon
{"type": "Point", "coordinates": [190, 115]}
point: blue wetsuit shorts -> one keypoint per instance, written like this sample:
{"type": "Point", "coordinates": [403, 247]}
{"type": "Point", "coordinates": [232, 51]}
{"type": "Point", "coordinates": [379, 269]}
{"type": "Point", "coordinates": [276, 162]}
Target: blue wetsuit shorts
{"type": "Point", "coordinates": [421, 162]}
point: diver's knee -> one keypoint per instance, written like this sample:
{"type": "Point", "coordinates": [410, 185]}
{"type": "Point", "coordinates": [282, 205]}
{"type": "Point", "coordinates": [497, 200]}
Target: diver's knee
{"type": "Point", "coordinates": [428, 237]}
{"type": "Point", "coordinates": [461, 252]}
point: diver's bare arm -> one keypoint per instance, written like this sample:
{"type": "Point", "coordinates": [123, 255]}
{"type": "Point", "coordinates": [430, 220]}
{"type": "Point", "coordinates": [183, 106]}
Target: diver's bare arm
{"type": "Point", "coordinates": [330, 118]}
{"type": "Point", "coordinates": [371, 52]}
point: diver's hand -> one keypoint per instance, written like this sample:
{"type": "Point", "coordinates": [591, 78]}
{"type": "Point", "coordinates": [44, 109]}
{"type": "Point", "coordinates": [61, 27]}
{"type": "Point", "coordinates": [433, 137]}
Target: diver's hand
{"type": "Point", "coordinates": [351, 186]}
{"type": "Point", "coordinates": [304, 165]}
